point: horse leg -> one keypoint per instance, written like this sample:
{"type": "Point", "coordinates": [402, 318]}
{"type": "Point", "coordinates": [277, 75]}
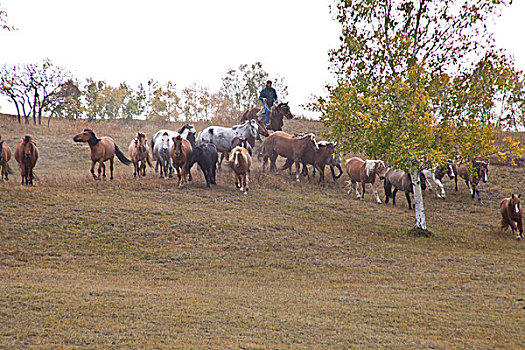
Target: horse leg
{"type": "Point", "coordinates": [179, 174]}
{"type": "Point", "coordinates": [363, 186]}
{"type": "Point", "coordinates": [236, 178]}
{"type": "Point", "coordinates": [31, 176]}
{"type": "Point", "coordinates": [477, 193]}
{"type": "Point", "coordinates": [394, 196]}
{"type": "Point", "coordinates": [110, 169]}
{"type": "Point", "coordinates": [456, 181]}
{"type": "Point", "coordinates": [245, 182]}
{"type": "Point", "coordinates": [440, 188]}
{"type": "Point", "coordinates": [407, 194]}
{"type": "Point", "coordinates": [470, 189]}
{"type": "Point", "coordinates": [288, 165]}
{"type": "Point", "coordinates": [220, 160]}
{"type": "Point", "coordinates": [297, 169]}
{"type": "Point", "coordinates": [273, 158]}
{"type": "Point", "coordinates": [170, 166]}
{"type": "Point", "coordinates": [135, 168]}
{"type": "Point", "coordinates": [374, 191]}
{"type": "Point", "coordinates": [92, 170]}
{"type": "Point", "coordinates": [143, 168]}
{"type": "Point", "coordinates": [321, 173]}
{"type": "Point", "coordinates": [354, 186]}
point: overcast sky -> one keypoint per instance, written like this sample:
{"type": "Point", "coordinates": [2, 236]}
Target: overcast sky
{"type": "Point", "coordinates": [192, 41]}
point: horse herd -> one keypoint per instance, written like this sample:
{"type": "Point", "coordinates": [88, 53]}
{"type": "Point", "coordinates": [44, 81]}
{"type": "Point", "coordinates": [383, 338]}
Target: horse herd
{"type": "Point", "coordinates": [179, 150]}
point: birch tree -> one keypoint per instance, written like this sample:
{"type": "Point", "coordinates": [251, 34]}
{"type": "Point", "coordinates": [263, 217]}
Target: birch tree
{"type": "Point", "coordinates": [408, 83]}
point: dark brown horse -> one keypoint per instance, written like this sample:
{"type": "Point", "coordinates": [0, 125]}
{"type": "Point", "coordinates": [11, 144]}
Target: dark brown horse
{"type": "Point", "coordinates": [102, 150]}
{"type": "Point", "coordinates": [277, 113]}
{"type": "Point", "coordinates": [317, 158]}
{"type": "Point", "coordinates": [5, 156]}
{"type": "Point", "coordinates": [26, 154]}
{"type": "Point", "coordinates": [181, 154]}
{"type": "Point", "coordinates": [512, 215]}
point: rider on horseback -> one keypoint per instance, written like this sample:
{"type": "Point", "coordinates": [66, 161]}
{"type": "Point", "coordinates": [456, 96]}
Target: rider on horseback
{"type": "Point", "coordinates": [268, 96]}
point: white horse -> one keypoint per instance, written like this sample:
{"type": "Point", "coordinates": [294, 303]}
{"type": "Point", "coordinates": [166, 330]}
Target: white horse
{"type": "Point", "coordinates": [187, 132]}
{"type": "Point", "coordinates": [161, 153]}
{"type": "Point", "coordinates": [222, 137]}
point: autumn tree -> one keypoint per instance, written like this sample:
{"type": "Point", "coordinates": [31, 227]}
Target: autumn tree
{"type": "Point", "coordinates": [418, 83]}
{"type": "Point", "coordinates": [165, 102]}
{"type": "Point", "coordinates": [32, 87]}
{"type": "Point", "coordinates": [4, 23]}
{"type": "Point", "coordinates": [243, 85]}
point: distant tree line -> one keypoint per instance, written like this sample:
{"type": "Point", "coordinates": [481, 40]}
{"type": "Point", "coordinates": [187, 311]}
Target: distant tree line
{"type": "Point", "coordinates": [38, 89]}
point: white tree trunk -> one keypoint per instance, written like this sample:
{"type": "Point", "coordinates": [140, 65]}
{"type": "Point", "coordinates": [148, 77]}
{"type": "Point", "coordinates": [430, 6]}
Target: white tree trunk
{"type": "Point", "coordinates": [418, 201]}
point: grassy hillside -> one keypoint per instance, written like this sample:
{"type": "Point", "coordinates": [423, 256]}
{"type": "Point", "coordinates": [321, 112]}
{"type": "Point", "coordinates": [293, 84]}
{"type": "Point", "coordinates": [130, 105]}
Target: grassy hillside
{"type": "Point", "coordinates": [140, 264]}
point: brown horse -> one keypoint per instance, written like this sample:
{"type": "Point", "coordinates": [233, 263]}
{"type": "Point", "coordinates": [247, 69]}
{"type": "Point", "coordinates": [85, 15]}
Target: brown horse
{"type": "Point", "coordinates": [318, 159]}
{"type": "Point", "coordinates": [480, 173]}
{"type": "Point", "coordinates": [240, 162]}
{"type": "Point", "coordinates": [139, 154]}
{"type": "Point", "coordinates": [26, 154]}
{"type": "Point", "coordinates": [400, 181]}
{"type": "Point", "coordinates": [512, 215]}
{"type": "Point", "coordinates": [102, 150]}
{"type": "Point", "coordinates": [5, 156]}
{"type": "Point", "coordinates": [181, 153]}
{"type": "Point", "coordinates": [285, 145]}
{"type": "Point", "coordinates": [277, 113]}
{"type": "Point", "coordinates": [365, 171]}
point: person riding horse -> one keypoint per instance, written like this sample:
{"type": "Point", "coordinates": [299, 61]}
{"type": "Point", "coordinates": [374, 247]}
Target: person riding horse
{"type": "Point", "coordinates": [268, 96]}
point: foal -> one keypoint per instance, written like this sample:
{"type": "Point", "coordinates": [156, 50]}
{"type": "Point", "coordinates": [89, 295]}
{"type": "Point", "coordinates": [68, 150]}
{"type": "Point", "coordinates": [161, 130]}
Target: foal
{"type": "Point", "coordinates": [240, 162]}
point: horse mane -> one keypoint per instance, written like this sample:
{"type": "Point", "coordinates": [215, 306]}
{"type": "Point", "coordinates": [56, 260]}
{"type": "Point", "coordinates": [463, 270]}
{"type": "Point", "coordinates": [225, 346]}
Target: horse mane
{"type": "Point", "coordinates": [370, 166]}
{"type": "Point", "coordinates": [94, 139]}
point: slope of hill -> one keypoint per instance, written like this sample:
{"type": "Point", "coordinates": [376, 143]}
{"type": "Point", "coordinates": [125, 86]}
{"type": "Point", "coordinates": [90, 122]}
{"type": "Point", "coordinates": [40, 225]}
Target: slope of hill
{"type": "Point", "coordinates": [140, 264]}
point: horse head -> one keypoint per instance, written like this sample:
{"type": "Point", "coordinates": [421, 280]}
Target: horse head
{"type": "Point", "coordinates": [87, 136]}
{"type": "Point", "coordinates": [254, 128]}
{"type": "Point", "coordinates": [262, 127]}
{"type": "Point", "coordinates": [514, 203]}
{"type": "Point", "coordinates": [140, 142]}
{"type": "Point", "coordinates": [284, 110]}
{"type": "Point", "coordinates": [482, 169]}
{"type": "Point", "coordinates": [177, 145]}
{"type": "Point", "coordinates": [165, 143]}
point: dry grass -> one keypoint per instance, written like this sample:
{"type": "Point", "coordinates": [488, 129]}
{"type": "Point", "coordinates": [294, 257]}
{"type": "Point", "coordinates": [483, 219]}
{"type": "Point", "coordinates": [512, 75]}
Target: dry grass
{"type": "Point", "coordinates": [140, 264]}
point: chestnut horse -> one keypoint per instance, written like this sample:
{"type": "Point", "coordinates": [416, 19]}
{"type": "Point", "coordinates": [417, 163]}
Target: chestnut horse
{"type": "Point", "coordinates": [26, 154]}
{"type": "Point", "coordinates": [181, 154]}
{"type": "Point", "coordinates": [102, 150]}
{"type": "Point", "coordinates": [512, 215]}
{"type": "Point", "coordinates": [285, 145]}
{"type": "Point", "coordinates": [365, 171]}
{"type": "Point", "coordinates": [5, 156]}
{"type": "Point", "coordinates": [240, 162]}
{"type": "Point", "coordinates": [277, 113]}
{"type": "Point", "coordinates": [139, 154]}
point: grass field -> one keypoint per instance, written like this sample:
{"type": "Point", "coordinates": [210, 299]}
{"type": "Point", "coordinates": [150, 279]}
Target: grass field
{"type": "Point", "coordinates": [140, 264]}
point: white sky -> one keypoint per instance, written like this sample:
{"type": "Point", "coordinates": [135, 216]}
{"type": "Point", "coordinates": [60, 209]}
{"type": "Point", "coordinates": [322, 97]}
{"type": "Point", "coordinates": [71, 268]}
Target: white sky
{"type": "Point", "coordinates": [192, 41]}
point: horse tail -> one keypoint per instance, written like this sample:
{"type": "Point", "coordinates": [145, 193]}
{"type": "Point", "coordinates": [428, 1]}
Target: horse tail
{"type": "Point", "coordinates": [121, 156]}
{"type": "Point", "coordinates": [152, 144]}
